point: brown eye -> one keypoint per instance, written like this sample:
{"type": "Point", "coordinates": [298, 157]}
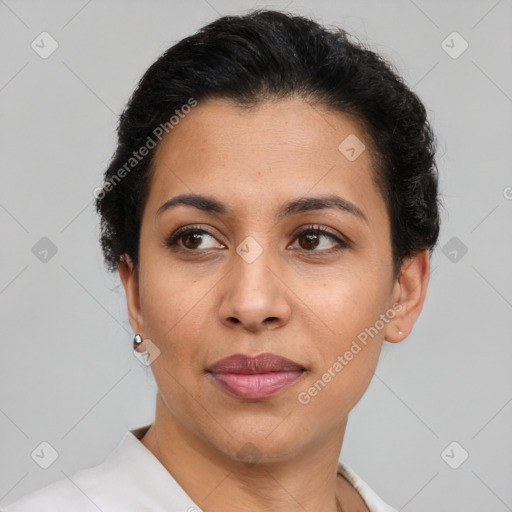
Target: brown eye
{"type": "Point", "coordinates": [193, 239]}
{"type": "Point", "coordinates": [313, 240]}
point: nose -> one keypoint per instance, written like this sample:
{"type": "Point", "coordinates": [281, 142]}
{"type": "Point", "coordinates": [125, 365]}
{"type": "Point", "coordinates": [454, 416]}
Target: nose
{"type": "Point", "coordinates": [254, 298]}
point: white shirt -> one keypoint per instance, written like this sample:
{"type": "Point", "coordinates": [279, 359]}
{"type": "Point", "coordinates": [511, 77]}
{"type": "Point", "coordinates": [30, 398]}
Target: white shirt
{"type": "Point", "coordinates": [132, 479]}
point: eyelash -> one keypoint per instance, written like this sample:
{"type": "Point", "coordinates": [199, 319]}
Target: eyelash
{"type": "Point", "coordinates": [172, 241]}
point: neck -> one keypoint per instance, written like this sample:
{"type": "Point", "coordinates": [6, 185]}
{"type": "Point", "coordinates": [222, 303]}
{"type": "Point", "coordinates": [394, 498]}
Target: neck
{"type": "Point", "coordinates": [306, 480]}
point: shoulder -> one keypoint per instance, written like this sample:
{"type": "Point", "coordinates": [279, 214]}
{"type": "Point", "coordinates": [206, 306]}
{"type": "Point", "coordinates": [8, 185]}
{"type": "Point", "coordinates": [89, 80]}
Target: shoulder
{"type": "Point", "coordinates": [130, 479]}
{"type": "Point", "coordinates": [102, 487]}
{"type": "Point", "coordinates": [76, 492]}
{"type": "Point", "coordinates": [372, 500]}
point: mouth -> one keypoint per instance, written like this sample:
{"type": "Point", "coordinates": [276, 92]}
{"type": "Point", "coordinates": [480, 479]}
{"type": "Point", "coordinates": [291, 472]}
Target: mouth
{"type": "Point", "coordinates": [254, 378]}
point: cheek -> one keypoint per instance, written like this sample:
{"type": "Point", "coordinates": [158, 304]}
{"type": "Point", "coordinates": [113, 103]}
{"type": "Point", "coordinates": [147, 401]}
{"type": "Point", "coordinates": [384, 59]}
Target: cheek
{"type": "Point", "coordinates": [331, 395]}
{"type": "Point", "coordinates": [172, 311]}
{"type": "Point", "coordinates": [348, 304]}
{"type": "Point", "coordinates": [347, 349]}
{"type": "Point", "coordinates": [348, 341]}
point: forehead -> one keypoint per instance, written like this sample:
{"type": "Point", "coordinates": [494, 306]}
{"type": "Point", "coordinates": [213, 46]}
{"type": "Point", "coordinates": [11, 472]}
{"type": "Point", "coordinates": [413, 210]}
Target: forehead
{"type": "Point", "coordinates": [279, 150]}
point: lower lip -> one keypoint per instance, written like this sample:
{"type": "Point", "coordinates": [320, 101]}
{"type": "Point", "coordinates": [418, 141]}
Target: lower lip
{"type": "Point", "coordinates": [255, 386]}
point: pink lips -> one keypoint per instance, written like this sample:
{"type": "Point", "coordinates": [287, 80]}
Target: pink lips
{"type": "Point", "coordinates": [255, 377]}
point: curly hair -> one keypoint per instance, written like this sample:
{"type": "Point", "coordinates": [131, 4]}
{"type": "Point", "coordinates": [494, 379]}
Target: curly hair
{"type": "Point", "coordinates": [267, 55]}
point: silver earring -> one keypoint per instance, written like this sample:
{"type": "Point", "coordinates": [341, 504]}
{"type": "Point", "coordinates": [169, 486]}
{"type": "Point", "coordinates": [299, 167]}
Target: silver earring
{"type": "Point", "coordinates": [141, 355]}
{"type": "Point", "coordinates": [400, 333]}
{"type": "Point", "coordinates": [150, 352]}
{"type": "Point", "coordinates": [137, 340]}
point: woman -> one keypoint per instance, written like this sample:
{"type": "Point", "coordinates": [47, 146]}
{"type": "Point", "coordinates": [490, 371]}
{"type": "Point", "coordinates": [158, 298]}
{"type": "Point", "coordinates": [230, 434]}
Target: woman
{"type": "Point", "coordinates": [271, 209]}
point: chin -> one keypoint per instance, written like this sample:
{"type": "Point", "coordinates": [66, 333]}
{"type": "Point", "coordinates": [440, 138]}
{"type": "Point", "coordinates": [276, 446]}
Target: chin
{"type": "Point", "coordinates": [257, 439]}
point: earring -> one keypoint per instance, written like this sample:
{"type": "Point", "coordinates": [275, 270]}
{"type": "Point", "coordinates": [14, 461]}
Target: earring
{"type": "Point", "coordinates": [400, 332]}
{"type": "Point", "coordinates": [141, 355]}
{"type": "Point", "coordinates": [137, 341]}
{"type": "Point", "coordinates": [145, 350]}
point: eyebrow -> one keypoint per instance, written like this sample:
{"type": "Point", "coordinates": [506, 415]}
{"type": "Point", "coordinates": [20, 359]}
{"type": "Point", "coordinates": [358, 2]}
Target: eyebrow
{"type": "Point", "coordinates": [293, 207]}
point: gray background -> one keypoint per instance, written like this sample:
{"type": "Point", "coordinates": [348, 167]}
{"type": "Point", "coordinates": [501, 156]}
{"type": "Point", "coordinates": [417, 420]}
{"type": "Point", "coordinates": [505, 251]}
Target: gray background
{"type": "Point", "coordinates": [67, 371]}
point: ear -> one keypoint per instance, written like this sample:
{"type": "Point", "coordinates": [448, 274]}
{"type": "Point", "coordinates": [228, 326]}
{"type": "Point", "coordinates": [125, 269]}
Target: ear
{"type": "Point", "coordinates": [408, 296]}
{"type": "Point", "coordinates": [130, 279]}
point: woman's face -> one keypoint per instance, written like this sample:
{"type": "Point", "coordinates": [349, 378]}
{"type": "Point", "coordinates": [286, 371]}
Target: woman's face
{"type": "Point", "coordinates": [252, 276]}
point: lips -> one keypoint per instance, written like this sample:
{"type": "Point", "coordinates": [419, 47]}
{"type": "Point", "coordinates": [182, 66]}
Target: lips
{"type": "Point", "coordinates": [255, 377]}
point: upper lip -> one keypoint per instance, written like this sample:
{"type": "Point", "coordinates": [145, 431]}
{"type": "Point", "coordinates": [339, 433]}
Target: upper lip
{"type": "Point", "coordinates": [247, 365]}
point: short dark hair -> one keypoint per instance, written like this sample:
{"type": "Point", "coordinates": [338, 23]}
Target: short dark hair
{"type": "Point", "coordinates": [267, 55]}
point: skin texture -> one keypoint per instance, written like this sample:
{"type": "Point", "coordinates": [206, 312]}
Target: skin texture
{"type": "Point", "coordinates": [299, 299]}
